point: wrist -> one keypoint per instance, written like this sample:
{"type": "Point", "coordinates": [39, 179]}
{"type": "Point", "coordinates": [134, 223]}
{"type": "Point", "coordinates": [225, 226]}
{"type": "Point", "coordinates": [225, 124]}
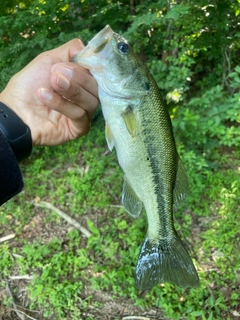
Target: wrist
{"type": "Point", "coordinates": [16, 132]}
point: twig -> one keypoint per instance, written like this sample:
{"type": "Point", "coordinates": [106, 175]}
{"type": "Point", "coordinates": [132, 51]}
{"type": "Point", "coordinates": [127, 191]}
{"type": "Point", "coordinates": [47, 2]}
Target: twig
{"type": "Point", "coordinates": [211, 293]}
{"type": "Point", "coordinates": [23, 277]}
{"type": "Point", "coordinates": [45, 204]}
{"type": "Point", "coordinates": [21, 316]}
{"type": "Point", "coordinates": [135, 318]}
{"type": "Point", "coordinates": [24, 314]}
{"type": "Point", "coordinates": [8, 237]}
{"type": "Point", "coordinates": [15, 255]}
{"type": "Point", "coordinates": [210, 270]}
{"type": "Point", "coordinates": [115, 206]}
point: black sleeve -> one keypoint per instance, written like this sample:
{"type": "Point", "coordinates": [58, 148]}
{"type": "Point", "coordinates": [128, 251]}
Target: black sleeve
{"type": "Point", "coordinates": [11, 181]}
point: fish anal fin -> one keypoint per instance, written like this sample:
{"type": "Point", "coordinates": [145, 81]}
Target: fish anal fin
{"type": "Point", "coordinates": [165, 262]}
{"type": "Point", "coordinates": [130, 200]}
{"type": "Point", "coordinates": [130, 120]}
{"type": "Point", "coordinates": [181, 184]}
{"type": "Point", "coordinates": [109, 137]}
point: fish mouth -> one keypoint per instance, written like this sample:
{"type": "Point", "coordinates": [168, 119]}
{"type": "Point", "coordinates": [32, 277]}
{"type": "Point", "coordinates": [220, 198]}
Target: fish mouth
{"type": "Point", "coordinates": [103, 35]}
{"type": "Point", "coordinates": [95, 46]}
{"type": "Point", "coordinates": [98, 43]}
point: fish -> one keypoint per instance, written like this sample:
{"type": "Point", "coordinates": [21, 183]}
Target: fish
{"type": "Point", "coordinates": [138, 125]}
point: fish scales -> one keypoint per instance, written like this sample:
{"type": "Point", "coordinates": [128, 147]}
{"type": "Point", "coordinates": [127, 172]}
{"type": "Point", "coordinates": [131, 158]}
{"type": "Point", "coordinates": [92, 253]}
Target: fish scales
{"type": "Point", "coordinates": [139, 127]}
{"type": "Point", "coordinates": [162, 179]}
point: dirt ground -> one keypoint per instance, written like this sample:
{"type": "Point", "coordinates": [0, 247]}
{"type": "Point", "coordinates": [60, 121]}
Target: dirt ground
{"type": "Point", "coordinates": [16, 286]}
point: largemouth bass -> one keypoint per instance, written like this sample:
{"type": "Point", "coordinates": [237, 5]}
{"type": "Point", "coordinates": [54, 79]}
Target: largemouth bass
{"type": "Point", "coordinates": [139, 127]}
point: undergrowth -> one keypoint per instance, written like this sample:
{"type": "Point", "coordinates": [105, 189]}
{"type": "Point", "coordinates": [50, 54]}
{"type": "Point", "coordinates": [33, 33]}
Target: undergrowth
{"type": "Point", "coordinates": [192, 50]}
{"type": "Point", "coordinates": [85, 182]}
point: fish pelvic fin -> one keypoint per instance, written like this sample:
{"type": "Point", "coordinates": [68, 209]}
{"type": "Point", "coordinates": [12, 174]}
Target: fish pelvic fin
{"type": "Point", "coordinates": [131, 202]}
{"type": "Point", "coordinates": [109, 137]}
{"type": "Point", "coordinates": [181, 184]}
{"type": "Point", "coordinates": [166, 261]}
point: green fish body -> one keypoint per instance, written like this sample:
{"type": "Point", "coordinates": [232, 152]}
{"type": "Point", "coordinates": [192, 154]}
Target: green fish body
{"type": "Point", "coordinates": [139, 127]}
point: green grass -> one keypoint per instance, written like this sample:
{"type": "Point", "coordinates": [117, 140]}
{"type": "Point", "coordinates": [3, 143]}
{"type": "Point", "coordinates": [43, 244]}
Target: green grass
{"type": "Point", "coordinates": [84, 180]}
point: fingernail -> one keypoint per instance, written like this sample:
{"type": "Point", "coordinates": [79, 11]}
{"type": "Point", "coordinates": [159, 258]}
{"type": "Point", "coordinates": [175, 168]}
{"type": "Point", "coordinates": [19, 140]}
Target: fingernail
{"type": "Point", "coordinates": [45, 94]}
{"type": "Point", "coordinates": [66, 71]}
{"type": "Point", "coordinates": [63, 82]}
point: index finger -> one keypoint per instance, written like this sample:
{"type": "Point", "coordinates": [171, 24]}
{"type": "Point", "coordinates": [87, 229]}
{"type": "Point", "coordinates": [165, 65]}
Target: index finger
{"type": "Point", "coordinates": [64, 53]}
{"type": "Point", "coordinates": [76, 74]}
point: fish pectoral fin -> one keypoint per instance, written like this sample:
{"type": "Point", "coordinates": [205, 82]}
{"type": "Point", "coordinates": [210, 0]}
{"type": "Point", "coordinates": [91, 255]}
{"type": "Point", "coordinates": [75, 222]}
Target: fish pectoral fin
{"type": "Point", "coordinates": [130, 200]}
{"type": "Point", "coordinates": [109, 137]}
{"type": "Point", "coordinates": [130, 120]}
{"type": "Point", "coordinates": [181, 184]}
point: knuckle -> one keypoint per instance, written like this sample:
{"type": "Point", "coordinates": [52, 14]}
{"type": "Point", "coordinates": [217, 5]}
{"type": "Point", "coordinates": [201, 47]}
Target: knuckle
{"type": "Point", "coordinates": [80, 77]}
{"type": "Point", "coordinates": [83, 125]}
{"type": "Point", "coordinates": [76, 93]}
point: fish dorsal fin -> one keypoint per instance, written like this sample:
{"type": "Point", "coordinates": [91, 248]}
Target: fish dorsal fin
{"type": "Point", "coordinates": [109, 137]}
{"type": "Point", "coordinates": [130, 120]}
{"type": "Point", "coordinates": [130, 200]}
{"type": "Point", "coordinates": [181, 185]}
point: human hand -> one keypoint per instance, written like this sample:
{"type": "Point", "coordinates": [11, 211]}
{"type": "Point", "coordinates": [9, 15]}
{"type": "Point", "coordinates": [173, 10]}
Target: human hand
{"type": "Point", "coordinates": [54, 97]}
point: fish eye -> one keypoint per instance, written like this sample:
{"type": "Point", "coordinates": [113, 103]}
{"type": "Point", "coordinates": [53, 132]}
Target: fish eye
{"type": "Point", "coordinates": [123, 47]}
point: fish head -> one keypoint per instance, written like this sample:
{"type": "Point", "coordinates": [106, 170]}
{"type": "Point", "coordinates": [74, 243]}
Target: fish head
{"type": "Point", "coordinates": [112, 62]}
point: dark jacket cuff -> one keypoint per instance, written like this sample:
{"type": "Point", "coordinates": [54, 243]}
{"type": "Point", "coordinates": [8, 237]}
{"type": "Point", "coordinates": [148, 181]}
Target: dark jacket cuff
{"type": "Point", "coordinates": [11, 181]}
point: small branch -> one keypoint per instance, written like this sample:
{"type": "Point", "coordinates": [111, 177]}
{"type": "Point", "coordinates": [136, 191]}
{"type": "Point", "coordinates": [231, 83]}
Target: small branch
{"type": "Point", "coordinates": [211, 293]}
{"type": "Point", "coordinates": [115, 206]}
{"type": "Point", "coordinates": [8, 237]}
{"type": "Point", "coordinates": [24, 314]}
{"type": "Point", "coordinates": [15, 255]}
{"type": "Point", "coordinates": [66, 217]}
{"type": "Point", "coordinates": [19, 313]}
{"type": "Point", "coordinates": [133, 9]}
{"type": "Point", "coordinates": [23, 277]}
{"type": "Point", "coordinates": [228, 59]}
{"type": "Point", "coordinates": [135, 318]}
{"type": "Point", "coordinates": [210, 270]}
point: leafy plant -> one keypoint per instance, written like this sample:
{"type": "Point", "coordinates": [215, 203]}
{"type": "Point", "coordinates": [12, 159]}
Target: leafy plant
{"type": "Point", "coordinates": [192, 50]}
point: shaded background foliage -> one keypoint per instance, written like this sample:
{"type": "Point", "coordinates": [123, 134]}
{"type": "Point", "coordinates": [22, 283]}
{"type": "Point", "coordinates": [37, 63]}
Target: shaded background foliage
{"type": "Point", "coordinates": [192, 49]}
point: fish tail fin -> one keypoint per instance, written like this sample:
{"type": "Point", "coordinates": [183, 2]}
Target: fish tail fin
{"type": "Point", "coordinates": [165, 261]}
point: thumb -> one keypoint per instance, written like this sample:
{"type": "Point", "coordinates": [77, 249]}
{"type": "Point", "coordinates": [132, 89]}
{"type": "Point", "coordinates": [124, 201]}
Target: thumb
{"type": "Point", "coordinates": [76, 45]}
